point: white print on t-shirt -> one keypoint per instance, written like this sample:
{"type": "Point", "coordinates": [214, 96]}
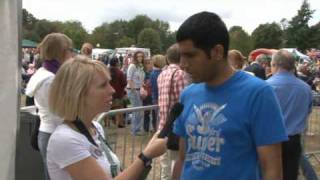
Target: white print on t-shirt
{"type": "Point", "coordinates": [205, 138]}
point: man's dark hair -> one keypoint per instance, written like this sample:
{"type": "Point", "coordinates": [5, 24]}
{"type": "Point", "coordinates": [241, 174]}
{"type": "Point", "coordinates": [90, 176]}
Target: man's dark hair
{"type": "Point", "coordinates": [206, 30]}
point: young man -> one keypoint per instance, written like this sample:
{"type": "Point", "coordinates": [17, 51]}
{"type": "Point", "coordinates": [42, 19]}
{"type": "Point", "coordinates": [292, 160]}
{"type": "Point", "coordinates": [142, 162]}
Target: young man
{"type": "Point", "coordinates": [295, 99]}
{"type": "Point", "coordinates": [231, 126]}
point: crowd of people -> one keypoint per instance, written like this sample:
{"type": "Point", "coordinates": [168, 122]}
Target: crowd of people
{"type": "Point", "coordinates": [242, 119]}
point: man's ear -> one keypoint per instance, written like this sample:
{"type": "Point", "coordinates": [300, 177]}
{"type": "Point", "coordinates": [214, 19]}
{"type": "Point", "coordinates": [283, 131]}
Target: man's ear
{"type": "Point", "coordinates": [217, 52]}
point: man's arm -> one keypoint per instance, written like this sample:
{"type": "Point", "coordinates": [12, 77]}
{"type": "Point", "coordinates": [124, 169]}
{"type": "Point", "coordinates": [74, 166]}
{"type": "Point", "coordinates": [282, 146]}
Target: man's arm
{"type": "Point", "coordinates": [176, 173]}
{"type": "Point", "coordinates": [270, 161]}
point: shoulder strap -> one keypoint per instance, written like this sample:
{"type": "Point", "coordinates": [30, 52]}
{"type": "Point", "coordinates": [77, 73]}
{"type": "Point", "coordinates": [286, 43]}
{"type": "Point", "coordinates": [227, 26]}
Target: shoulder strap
{"type": "Point", "coordinates": [114, 168]}
{"type": "Point", "coordinates": [83, 130]}
{"type": "Point", "coordinates": [171, 86]}
{"type": "Point", "coordinates": [104, 145]}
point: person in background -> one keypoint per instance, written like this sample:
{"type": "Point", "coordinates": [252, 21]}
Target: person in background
{"type": "Point", "coordinates": [226, 129]}
{"type": "Point", "coordinates": [119, 83]}
{"type": "Point", "coordinates": [121, 60]}
{"type": "Point", "coordinates": [127, 61]}
{"type": "Point", "coordinates": [258, 67]}
{"type": "Point", "coordinates": [171, 82]}
{"type": "Point", "coordinates": [55, 49]}
{"type": "Point", "coordinates": [147, 99]}
{"type": "Point", "coordinates": [135, 78]}
{"type": "Point", "coordinates": [159, 62]}
{"type": "Point", "coordinates": [295, 99]}
{"type": "Point", "coordinates": [236, 59]}
{"type": "Point", "coordinates": [77, 149]}
{"type": "Point", "coordinates": [303, 73]}
{"type": "Point", "coordinates": [86, 49]}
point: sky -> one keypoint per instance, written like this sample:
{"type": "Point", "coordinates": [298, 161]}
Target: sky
{"type": "Point", "coordinates": [246, 13]}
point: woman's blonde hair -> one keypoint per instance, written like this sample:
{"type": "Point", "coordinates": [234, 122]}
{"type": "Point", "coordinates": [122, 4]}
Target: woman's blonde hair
{"type": "Point", "coordinates": [54, 46]}
{"type": "Point", "coordinates": [70, 86]}
{"type": "Point", "coordinates": [159, 61]}
{"type": "Point", "coordinates": [86, 49]}
{"type": "Point", "coordinates": [237, 54]}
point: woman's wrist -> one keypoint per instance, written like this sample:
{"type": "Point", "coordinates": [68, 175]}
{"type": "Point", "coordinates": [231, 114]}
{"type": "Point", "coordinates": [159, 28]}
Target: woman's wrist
{"type": "Point", "coordinates": [147, 153]}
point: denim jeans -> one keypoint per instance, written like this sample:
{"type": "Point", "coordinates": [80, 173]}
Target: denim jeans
{"type": "Point", "coordinates": [43, 139]}
{"type": "Point", "coordinates": [137, 117]}
{"type": "Point", "coordinates": [146, 124]}
{"type": "Point", "coordinates": [307, 169]}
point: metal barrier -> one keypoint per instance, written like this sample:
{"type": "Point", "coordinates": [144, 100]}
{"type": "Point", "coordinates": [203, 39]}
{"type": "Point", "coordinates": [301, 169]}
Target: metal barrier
{"type": "Point", "coordinates": [123, 143]}
{"type": "Point", "coordinates": [311, 137]}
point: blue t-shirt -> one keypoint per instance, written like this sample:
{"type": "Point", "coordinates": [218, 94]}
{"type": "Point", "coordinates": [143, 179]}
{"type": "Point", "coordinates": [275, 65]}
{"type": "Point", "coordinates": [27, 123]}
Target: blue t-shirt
{"type": "Point", "coordinates": [223, 126]}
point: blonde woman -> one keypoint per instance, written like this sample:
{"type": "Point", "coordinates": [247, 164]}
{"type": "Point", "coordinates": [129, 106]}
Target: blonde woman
{"type": "Point", "coordinates": [236, 59]}
{"type": "Point", "coordinates": [159, 61]}
{"type": "Point", "coordinates": [77, 150]}
{"type": "Point", "coordinates": [86, 49]}
{"type": "Point", "coordinates": [135, 79]}
{"type": "Point", "coordinates": [55, 49]}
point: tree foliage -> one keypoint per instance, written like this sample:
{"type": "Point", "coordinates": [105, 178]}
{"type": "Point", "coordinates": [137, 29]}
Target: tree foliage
{"type": "Point", "coordinates": [267, 36]}
{"type": "Point", "coordinates": [315, 38]}
{"type": "Point", "coordinates": [75, 31]}
{"type": "Point", "coordinates": [155, 34]}
{"type": "Point", "coordinates": [125, 42]}
{"type": "Point", "coordinates": [150, 38]}
{"type": "Point", "coordinates": [119, 33]}
{"type": "Point", "coordinates": [240, 40]}
{"type": "Point", "coordinates": [298, 33]}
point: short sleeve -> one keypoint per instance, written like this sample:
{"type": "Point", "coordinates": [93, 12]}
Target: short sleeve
{"type": "Point", "coordinates": [65, 149]}
{"type": "Point", "coordinates": [130, 72]}
{"type": "Point", "coordinates": [179, 123]}
{"type": "Point", "coordinates": [266, 119]}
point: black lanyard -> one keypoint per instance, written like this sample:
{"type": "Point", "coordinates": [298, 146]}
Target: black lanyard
{"type": "Point", "coordinates": [83, 130]}
{"type": "Point", "coordinates": [105, 146]}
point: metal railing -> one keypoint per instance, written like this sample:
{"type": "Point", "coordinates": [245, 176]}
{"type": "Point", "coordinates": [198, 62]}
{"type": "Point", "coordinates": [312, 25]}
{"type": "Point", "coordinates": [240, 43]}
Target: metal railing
{"type": "Point", "coordinates": [126, 145]}
{"type": "Point", "coordinates": [311, 139]}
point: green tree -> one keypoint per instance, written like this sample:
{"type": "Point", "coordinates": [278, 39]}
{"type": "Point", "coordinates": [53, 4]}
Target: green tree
{"type": "Point", "coordinates": [267, 36]}
{"type": "Point", "coordinates": [28, 20]}
{"type": "Point", "coordinates": [168, 40]}
{"type": "Point", "coordinates": [162, 28]}
{"type": "Point", "coordinates": [150, 38]}
{"type": "Point", "coordinates": [28, 24]}
{"type": "Point", "coordinates": [137, 24]}
{"type": "Point", "coordinates": [240, 40]}
{"type": "Point", "coordinates": [44, 27]}
{"type": "Point", "coordinates": [75, 31]}
{"type": "Point", "coordinates": [125, 42]}
{"type": "Point", "coordinates": [315, 38]}
{"type": "Point", "coordinates": [298, 33]}
{"type": "Point", "coordinates": [99, 35]}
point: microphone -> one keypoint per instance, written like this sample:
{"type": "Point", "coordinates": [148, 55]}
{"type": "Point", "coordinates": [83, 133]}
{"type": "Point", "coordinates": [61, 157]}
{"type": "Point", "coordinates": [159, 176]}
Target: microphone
{"type": "Point", "coordinates": [175, 112]}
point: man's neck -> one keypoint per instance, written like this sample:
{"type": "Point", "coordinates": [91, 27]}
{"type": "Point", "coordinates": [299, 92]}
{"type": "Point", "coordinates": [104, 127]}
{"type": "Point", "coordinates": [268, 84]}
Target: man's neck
{"type": "Point", "coordinates": [283, 71]}
{"type": "Point", "coordinates": [222, 75]}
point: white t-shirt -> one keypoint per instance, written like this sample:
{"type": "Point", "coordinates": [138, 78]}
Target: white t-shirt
{"type": "Point", "coordinates": [136, 74]}
{"type": "Point", "coordinates": [67, 146]}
